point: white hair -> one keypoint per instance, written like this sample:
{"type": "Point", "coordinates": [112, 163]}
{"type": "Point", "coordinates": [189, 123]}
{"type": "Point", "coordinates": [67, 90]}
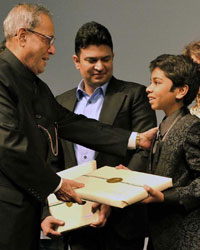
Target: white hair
{"type": "Point", "coordinates": [23, 16]}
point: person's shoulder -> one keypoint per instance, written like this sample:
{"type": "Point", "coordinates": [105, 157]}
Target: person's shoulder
{"type": "Point", "coordinates": [65, 95]}
{"type": "Point", "coordinates": [4, 65]}
{"type": "Point", "coordinates": [189, 121]}
{"type": "Point", "coordinates": [7, 76]}
{"type": "Point", "coordinates": [129, 85]}
{"type": "Point", "coordinates": [191, 117]}
{"type": "Point", "coordinates": [191, 127]}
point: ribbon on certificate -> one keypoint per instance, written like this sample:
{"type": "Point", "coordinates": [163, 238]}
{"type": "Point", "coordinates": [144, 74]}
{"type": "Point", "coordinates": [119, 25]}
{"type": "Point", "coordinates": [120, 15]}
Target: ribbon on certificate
{"type": "Point", "coordinates": [67, 203]}
{"type": "Point", "coordinates": [114, 180]}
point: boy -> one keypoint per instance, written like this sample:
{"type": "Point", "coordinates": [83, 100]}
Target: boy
{"type": "Point", "coordinates": [174, 215]}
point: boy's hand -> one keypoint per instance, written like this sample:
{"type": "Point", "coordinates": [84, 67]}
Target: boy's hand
{"type": "Point", "coordinates": [154, 195]}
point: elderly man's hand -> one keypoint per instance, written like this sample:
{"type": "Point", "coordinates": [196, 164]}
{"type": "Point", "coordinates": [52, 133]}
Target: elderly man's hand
{"type": "Point", "coordinates": [66, 192]}
{"type": "Point", "coordinates": [146, 138]}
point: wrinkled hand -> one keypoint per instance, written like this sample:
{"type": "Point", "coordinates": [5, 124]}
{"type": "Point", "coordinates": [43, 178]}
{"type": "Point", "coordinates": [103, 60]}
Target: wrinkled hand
{"type": "Point", "coordinates": [154, 195]}
{"type": "Point", "coordinates": [120, 166]}
{"type": "Point", "coordinates": [66, 192]}
{"type": "Point", "coordinates": [104, 212]}
{"type": "Point", "coordinates": [146, 138]}
{"type": "Point", "coordinates": [49, 226]}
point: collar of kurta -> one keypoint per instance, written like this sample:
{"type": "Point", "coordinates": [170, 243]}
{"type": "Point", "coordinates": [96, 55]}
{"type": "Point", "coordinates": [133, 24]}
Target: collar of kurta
{"type": "Point", "coordinates": [24, 78]}
{"type": "Point", "coordinates": [169, 120]}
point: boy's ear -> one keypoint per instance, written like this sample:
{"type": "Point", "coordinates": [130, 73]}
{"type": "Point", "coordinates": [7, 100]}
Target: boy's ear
{"type": "Point", "coordinates": [182, 91]}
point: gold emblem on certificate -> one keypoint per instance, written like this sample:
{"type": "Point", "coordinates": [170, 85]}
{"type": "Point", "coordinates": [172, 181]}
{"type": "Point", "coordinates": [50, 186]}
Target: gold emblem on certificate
{"type": "Point", "coordinates": [115, 180]}
{"type": "Point", "coordinates": [69, 203]}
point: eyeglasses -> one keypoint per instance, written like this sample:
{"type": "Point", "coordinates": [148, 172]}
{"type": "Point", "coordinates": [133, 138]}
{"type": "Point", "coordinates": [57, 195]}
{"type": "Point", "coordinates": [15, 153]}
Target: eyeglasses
{"type": "Point", "coordinates": [50, 39]}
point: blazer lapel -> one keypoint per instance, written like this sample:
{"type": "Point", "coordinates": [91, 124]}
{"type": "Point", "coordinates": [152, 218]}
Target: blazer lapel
{"type": "Point", "coordinates": [112, 103]}
{"type": "Point", "coordinates": [71, 103]}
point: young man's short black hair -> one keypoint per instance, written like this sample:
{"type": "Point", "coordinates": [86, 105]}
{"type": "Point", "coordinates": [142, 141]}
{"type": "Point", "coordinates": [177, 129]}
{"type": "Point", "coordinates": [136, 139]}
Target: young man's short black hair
{"type": "Point", "coordinates": [181, 70]}
{"type": "Point", "coordinates": [92, 33]}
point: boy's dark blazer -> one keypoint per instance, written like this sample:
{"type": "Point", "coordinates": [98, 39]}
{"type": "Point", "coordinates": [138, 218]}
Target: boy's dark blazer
{"type": "Point", "coordinates": [125, 106]}
{"type": "Point", "coordinates": [179, 159]}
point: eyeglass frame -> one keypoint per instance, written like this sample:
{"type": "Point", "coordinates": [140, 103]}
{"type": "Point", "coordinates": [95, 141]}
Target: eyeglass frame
{"type": "Point", "coordinates": [51, 39]}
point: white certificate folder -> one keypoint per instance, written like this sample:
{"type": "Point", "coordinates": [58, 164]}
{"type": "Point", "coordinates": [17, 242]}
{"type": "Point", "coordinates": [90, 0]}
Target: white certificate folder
{"type": "Point", "coordinates": [107, 185]}
{"type": "Point", "coordinates": [119, 187]}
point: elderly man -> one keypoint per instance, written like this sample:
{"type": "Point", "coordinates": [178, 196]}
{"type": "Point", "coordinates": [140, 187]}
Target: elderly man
{"type": "Point", "coordinates": [31, 121]}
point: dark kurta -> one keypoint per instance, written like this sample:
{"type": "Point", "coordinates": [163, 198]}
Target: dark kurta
{"type": "Point", "coordinates": [25, 177]}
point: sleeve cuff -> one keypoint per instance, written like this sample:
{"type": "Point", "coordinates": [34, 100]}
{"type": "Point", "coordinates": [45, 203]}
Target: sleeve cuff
{"type": "Point", "coordinates": [59, 186]}
{"type": "Point", "coordinates": [132, 141]}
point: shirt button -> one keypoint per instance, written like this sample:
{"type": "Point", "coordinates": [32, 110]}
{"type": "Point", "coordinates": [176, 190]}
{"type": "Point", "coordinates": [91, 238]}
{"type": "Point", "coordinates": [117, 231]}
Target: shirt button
{"type": "Point", "coordinates": [89, 102]}
{"type": "Point", "coordinates": [37, 116]}
{"type": "Point", "coordinates": [85, 157]}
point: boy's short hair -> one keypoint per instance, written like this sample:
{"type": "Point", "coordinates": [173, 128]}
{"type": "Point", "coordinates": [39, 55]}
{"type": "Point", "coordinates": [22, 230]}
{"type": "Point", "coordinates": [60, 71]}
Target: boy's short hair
{"type": "Point", "coordinates": [181, 70]}
{"type": "Point", "coordinates": [92, 33]}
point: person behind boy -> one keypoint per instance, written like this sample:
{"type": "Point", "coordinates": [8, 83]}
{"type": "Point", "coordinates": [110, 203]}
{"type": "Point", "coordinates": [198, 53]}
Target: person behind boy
{"type": "Point", "coordinates": [193, 50]}
{"type": "Point", "coordinates": [174, 215]}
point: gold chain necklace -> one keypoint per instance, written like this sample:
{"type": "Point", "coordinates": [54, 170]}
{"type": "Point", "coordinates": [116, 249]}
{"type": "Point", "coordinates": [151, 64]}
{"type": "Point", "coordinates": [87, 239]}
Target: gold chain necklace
{"type": "Point", "coordinates": [54, 152]}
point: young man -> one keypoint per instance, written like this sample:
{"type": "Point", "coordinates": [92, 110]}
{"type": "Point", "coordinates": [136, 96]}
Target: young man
{"type": "Point", "coordinates": [175, 213]}
{"type": "Point", "coordinates": [30, 122]}
{"type": "Point", "coordinates": [122, 104]}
